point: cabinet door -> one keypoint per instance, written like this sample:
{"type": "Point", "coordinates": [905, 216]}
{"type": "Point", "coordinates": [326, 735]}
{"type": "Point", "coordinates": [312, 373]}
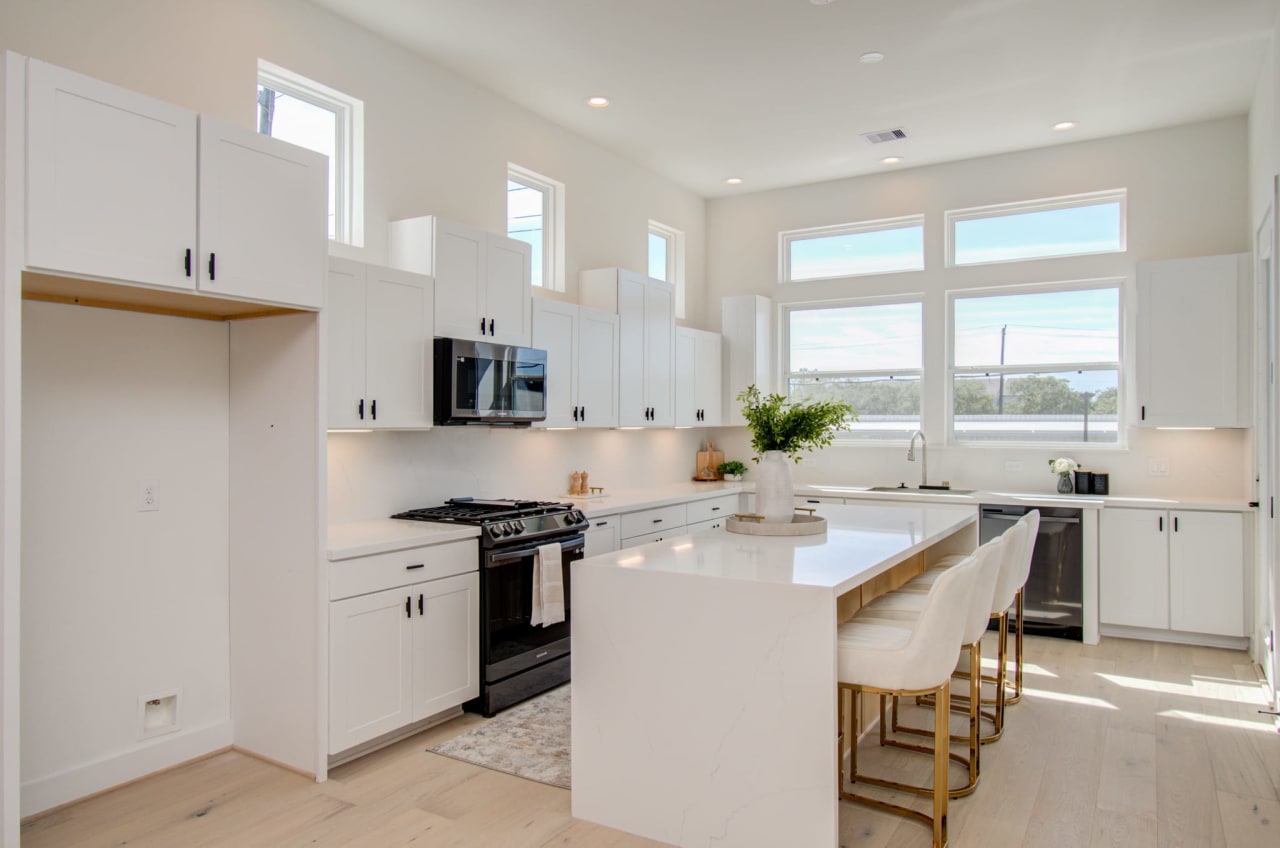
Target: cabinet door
{"type": "Point", "coordinates": [631, 357]}
{"type": "Point", "coordinates": [346, 345]}
{"type": "Point", "coordinates": [111, 181]}
{"type": "Point", "coordinates": [263, 217]}
{"type": "Point", "coordinates": [597, 372]}
{"type": "Point", "coordinates": [1133, 567]}
{"type": "Point", "coordinates": [659, 536]}
{"type": "Point", "coordinates": [507, 302]}
{"type": "Point", "coordinates": [659, 352]}
{"type": "Point", "coordinates": [399, 330]}
{"type": "Point", "coordinates": [370, 666]}
{"type": "Point", "coordinates": [446, 667]}
{"type": "Point", "coordinates": [459, 269]}
{"type": "Point", "coordinates": [686, 377]}
{"type": "Point", "coordinates": [555, 331]}
{"type": "Point", "coordinates": [709, 381]}
{"type": "Point", "coordinates": [1187, 343]}
{"type": "Point", "coordinates": [1206, 573]}
{"type": "Point", "coordinates": [602, 537]}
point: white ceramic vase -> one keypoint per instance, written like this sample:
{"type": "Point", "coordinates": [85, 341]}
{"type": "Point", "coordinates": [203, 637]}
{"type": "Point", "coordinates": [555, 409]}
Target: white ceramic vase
{"type": "Point", "coordinates": [775, 491]}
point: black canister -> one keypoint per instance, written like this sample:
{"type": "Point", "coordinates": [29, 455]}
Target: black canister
{"type": "Point", "coordinates": [1100, 484]}
{"type": "Point", "coordinates": [1084, 482]}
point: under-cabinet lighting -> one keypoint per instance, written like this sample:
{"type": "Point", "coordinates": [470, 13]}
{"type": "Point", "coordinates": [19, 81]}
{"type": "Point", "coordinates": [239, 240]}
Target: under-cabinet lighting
{"type": "Point", "coordinates": [350, 431]}
{"type": "Point", "coordinates": [683, 427]}
{"type": "Point", "coordinates": [559, 428]}
{"type": "Point", "coordinates": [628, 428]}
{"type": "Point", "coordinates": [1186, 428]}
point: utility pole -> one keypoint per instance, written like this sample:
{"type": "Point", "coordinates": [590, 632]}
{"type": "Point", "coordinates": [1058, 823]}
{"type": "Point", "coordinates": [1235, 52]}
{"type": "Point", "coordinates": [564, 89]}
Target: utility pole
{"type": "Point", "coordinates": [1000, 395]}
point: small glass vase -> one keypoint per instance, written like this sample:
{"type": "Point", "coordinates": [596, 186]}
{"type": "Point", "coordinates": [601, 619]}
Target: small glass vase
{"type": "Point", "coordinates": [1065, 486]}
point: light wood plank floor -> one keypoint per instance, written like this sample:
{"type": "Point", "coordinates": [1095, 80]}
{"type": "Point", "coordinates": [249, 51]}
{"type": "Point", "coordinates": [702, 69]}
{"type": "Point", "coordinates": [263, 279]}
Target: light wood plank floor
{"type": "Point", "coordinates": [1121, 744]}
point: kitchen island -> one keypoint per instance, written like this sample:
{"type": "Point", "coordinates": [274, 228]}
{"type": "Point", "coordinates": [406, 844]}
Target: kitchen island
{"type": "Point", "coordinates": [704, 673]}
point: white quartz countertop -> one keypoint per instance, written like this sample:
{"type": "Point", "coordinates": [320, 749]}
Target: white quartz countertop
{"type": "Point", "coordinates": [861, 542]}
{"type": "Point", "coordinates": [1028, 498]}
{"type": "Point", "coordinates": [630, 500]}
{"type": "Point", "coordinates": [380, 535]}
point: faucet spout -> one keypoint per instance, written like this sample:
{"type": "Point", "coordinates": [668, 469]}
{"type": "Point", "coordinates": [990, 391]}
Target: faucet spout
{"type": "Point", "coordinates": [924, 456]}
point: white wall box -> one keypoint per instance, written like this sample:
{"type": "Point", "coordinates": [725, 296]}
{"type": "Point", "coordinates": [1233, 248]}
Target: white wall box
{"type": "Point", "coordinates": [698, 379]}
{"type": "Point", "coordinates": [582, 363]}
{"type": "Point", "coordinates": [379, 347]}
{"type": "Point", "coordinates": [130, 189]}
{"type": "Point", "coordinates": [406, 652]}
{"type": "Point", "coordinates": [1192, 344]}
{"type": "Point", "coordinates": [746, 322]}
{"type": "Point", "coordinates": [1172, 570]}
{"type": "Point", "coordinates": [482, 279]}
{"type": "Point", "coordinates": [602, 537]}
{"type": "Point", "coordinates": [646, 311]}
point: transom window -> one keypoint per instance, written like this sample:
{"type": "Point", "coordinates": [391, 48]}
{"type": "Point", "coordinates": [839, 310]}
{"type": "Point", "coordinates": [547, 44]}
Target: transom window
{"type": "Point", "coordinates": [1037, 229]}
{"type": "Point", "coordinates": [535, 215]}
{"type": "Point", "coordinates": [301, 111]}
{"type": "Point", "coordinates": [666, 259]}
{"type": "Point", "coordinates": [1037, 365]}
{"type": "Point", "coordinates": [850, 250]}
{"type": "Point", "coordinates": [869, 354]}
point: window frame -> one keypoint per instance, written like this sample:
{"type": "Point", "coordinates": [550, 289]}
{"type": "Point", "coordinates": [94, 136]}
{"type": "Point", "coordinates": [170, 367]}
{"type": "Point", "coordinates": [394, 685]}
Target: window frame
{"type": "Point", "coordinates": [952, 295]}
{"type": "Point", "coordinates": [843, 437]}
{"type": "Point", "coordinates": [348, 165]}
{"type": "Point", "coordinates": [1002, 210]}
{"type": "Point", "coordinates": [787, 237]}
{"type": "Point", "coordinates": [553, 271]}
{"type": "Point", "coordinates": [675, 259]}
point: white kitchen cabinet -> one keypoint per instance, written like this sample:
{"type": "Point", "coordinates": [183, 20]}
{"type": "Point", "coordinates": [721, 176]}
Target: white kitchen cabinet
{"type": "Point", "coordinates": [379, 346]}
{"type": "Point", "coordinates": [135, 190]}
{"type": "Point", "coordinates": [646, 313]}
{"type": "Point", "coordinates": [401, 654]}
{"type": "Point", "coordinates": [1176, 570]}
{"type": "Point", "coordinates": [582, 364]}
{"type": "Point", "coordinates": [746, 322]}
{"type": "Point", "coordinates": [1192, 342]}
{"type": "Point", "coordinates": [698, 382]}
{"type": "Point", "coordinates": [602, 537]}
{"type": "Point", "coordinates": [482, 279]}
{"type": "Point", "coordinates": [704, 526]}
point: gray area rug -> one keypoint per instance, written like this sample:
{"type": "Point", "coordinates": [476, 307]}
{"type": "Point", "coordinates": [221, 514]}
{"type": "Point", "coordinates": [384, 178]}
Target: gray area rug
{"type": "Point", "coordinates": [530, 740]}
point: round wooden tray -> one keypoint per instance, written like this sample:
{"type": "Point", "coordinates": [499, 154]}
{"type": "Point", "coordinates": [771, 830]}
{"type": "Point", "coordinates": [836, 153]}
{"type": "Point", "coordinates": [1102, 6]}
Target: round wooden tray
{"type": "Point", "coordinates": [801, 525]}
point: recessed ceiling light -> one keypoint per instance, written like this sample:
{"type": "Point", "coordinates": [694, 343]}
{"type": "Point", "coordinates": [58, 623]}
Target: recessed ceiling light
{"type": "Point", "coordinates": [871, 58]}
{"type": "Point", "coordinates": [597, 102]}
{"type": "Point", "coordinates": [1064, 125]}
{"type": "Point", "coordinates": [891, 160]}
{"type": "Point", "coordinates": [734, 181]}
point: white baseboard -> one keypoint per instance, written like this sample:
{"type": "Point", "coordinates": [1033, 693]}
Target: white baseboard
{"type": "Point", "coordinates": [44, 793]}
{"type": "Point", "coordinates": [1237, 643]}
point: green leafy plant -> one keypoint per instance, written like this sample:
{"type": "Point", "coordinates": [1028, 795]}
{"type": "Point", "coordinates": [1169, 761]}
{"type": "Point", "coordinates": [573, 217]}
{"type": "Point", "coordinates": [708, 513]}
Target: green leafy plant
{"type": "Point", "coordinates": [731, 467]}
{"type": "Point", "coordinates": [792, 427]}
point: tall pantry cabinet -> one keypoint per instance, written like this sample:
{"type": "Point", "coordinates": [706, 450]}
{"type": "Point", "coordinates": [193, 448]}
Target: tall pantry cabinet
{"type": "Point", "coordinates": [646, 314]}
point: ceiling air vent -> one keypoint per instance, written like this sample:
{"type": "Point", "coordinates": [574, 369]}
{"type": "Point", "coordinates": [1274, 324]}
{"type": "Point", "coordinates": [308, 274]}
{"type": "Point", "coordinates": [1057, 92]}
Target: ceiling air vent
{"type": "Point", "coordinates": [885, 135]}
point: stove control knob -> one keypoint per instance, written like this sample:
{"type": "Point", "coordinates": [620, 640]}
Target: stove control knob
{"type": "Point", "coordinates": [517, 526]}
{"type": "Point", "coordinates": [507, 529]}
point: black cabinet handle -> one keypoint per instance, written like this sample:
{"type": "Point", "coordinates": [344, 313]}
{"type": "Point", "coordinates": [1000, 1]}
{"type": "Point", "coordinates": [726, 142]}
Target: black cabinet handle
{"type": "Point", "coordinates": [491, 326]}
{"type": "Point", "coordinates": [360, 407]}
{"type": "Point", "coordinates": [415, 566]}
{"type": "Point", "coordinates": [1162, 524]}
{"type": "Point", "coordinates": [715, 509]}
{"type": "Point", "coordinates": [1144, 413]}
{"type": "Point", "coordinates": [482, 326]}
{"type": "Point", "coordinates": [213, 258]}
{"type": "Point", "coordinates": [602, 524]}
{"type": "Point", "coordinates": [1175, 524]}
{"type": "Point", "coordinates": [657, 521]}
{"type": "Point", "coordinates": [420, 604]}
{"type": "Point", "coordinates": [408, 607]}
{"type": "Point", "coordinates": [575, 413]}
{"type": "Point", "coordinates": [186, 263]}
{"type": "Point", "coordinates": [373, 409]}
{"type": "Point", "coordinates": [584, 414]}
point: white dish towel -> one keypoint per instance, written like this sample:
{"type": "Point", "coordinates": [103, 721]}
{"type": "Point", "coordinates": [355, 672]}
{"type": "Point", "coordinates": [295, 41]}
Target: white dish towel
{"type": "Point", "coordinates": [548, 586]}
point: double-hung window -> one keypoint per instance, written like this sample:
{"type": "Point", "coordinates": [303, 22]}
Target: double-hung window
{"type": "Point", "coordinates": [849, 250]}
{"type": "Point", "coordinates": [666, 259]}
{"type": "Point", "coordinates": [867, 353]}
{"type": "Point", "coordinates": [535, 215]}
{"type": "Point", "coordinates": [304, 112]}
{"type": "Point", "coordinates": [1036, 365]}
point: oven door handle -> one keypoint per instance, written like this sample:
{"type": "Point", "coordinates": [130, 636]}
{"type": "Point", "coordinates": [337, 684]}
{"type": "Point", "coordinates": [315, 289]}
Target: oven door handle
{"type": "Point", "coordinates": [568, 546]}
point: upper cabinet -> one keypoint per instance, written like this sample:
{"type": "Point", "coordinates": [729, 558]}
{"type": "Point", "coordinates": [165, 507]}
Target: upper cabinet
{"type": "Point", "coordinates": [697, 376]}
{"type": "Point", "coordinates": [1192, 342]}
{"type": "Point", "coordinates": [646, 313]}
{"type": "Point", "coordinates": [482, 279]}
{"type": "Point", "coordinates": [746, 322]}
{"type": "Point", "coordinates": [379, 346]}
{"type": "Point", "coordinates": [112, 182]}
{"type": "Point", "coordinates": [582, 364]}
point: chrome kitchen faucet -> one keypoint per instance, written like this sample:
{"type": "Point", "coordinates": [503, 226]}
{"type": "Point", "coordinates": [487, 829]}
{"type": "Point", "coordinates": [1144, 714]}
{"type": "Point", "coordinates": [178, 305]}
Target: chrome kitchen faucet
{"type": "Point", "coordinates": [924, 460]}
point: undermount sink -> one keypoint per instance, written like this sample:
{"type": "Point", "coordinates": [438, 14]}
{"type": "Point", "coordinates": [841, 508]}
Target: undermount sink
{"type": "Point", "coordinates": [916, 490]}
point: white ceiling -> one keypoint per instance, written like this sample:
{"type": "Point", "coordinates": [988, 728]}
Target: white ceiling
{"type": "Point", "coordinates": [773, 91]}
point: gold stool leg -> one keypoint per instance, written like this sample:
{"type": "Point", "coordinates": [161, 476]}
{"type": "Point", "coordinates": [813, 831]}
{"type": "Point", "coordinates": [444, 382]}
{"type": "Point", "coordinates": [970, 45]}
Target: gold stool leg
{"type": "Point", "coordinates": [941, 752]}
{"type": "Point", "coordinates": [1016, 695]}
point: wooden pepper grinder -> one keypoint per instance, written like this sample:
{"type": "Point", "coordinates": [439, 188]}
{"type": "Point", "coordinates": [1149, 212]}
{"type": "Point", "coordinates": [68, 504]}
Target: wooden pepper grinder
{"type": "Point", "coordinates": [582, 490]}
{"type": "Point", "coordinates": [575, 483]}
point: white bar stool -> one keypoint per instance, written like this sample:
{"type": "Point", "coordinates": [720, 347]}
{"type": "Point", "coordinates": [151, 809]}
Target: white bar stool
{"type": "Point", "coordinates": [914, 659]}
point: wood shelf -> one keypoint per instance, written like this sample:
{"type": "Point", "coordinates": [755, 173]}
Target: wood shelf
{"type": "Point", "coordinates": [132, 298]}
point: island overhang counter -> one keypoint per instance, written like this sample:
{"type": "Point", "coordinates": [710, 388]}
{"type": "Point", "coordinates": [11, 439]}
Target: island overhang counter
{"type": "Point", "coordinates": [704, 672]}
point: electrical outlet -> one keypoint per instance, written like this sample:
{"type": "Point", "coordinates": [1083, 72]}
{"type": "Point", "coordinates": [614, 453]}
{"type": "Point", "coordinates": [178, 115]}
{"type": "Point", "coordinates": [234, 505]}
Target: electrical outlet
{"type": "Point", "coordinates": [148, 496]}
{"type": "Point", "coordinates": [1158, 467]}
{"type": "Point", "coordinates": [1013, 465]}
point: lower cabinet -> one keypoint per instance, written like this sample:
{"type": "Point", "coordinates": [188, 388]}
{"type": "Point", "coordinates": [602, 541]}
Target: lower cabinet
{"type": "Point", "coordinates": [1177, 570]}
{"type": "Point", "coordinates": [400, 655]}
{"type": "Point", "coordinates": [602, 536]}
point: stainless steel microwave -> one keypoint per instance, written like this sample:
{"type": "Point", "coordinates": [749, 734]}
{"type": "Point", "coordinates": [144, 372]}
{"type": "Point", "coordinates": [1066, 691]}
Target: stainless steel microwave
{"type": "Point", "coordinates": [485, 383]}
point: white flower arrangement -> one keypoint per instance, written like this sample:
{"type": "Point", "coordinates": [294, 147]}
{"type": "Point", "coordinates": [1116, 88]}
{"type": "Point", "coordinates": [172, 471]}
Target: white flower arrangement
{"type": "Point", "coordinates": [1063, 465]}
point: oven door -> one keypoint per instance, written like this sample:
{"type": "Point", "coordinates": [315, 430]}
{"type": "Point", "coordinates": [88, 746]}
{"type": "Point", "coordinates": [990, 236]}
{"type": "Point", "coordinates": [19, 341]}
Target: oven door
{"type": "Point", "coordinates": [509, 644]}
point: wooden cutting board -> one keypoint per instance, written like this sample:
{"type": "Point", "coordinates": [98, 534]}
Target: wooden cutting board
{"type": "Point", "coordinates": [707, 462]}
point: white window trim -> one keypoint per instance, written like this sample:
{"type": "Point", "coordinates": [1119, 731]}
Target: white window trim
{"type": "Point", "coordinates": [1000, 210]}
{"type": "Point", "coordinates": [348, 167]}
{"type": "Point", "coordinates": [675, 259]}
{"type": "Point", "coordinates": [953, 295]}
{"type": "Point", "coordinates": [786, 237]}
{"type": "Point", "coordinates": [553, 273]}
{"type": "Point", "coordinates": [842, 438]}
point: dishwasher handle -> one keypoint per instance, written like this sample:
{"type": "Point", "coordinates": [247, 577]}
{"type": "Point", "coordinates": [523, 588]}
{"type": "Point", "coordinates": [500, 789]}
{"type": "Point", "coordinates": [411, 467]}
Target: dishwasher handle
{"type": "Point", "coordinates": [1002, 516]}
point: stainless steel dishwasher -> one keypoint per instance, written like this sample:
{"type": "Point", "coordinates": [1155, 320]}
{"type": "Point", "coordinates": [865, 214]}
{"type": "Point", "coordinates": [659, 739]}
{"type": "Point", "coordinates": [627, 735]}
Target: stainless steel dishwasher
{"type": "Point", "coordinates": [1052, 602]}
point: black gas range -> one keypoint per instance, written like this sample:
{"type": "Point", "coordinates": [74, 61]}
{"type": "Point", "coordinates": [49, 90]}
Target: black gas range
{"type": "Point", "coordinates": [517, 660]}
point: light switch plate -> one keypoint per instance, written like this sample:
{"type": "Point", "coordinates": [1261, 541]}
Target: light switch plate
{"type": "Point", "coordinates": [1158, 467]}
{"type": "Point", "coordinates": [1013, 465]}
